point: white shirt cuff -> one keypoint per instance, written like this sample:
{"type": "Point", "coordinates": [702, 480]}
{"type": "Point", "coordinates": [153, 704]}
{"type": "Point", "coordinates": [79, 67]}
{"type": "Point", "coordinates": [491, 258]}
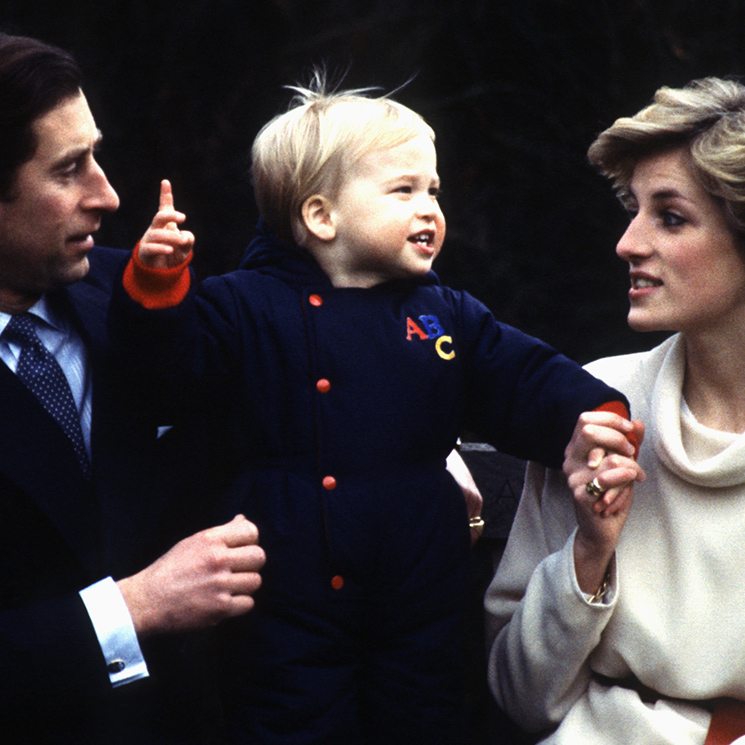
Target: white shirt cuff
{"type": "Point", "coordinates": [115, 631]}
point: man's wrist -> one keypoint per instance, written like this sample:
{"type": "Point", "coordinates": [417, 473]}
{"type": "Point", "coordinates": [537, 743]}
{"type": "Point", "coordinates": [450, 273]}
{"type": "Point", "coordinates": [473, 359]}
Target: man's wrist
{"type": "Point", "coordinates": [115, 632]}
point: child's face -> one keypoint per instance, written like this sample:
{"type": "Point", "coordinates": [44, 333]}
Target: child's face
{"type": "Point", "coordinates": [388, 224]}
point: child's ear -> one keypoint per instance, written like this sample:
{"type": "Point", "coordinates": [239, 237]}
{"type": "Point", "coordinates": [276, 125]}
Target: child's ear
{"type": "Point", "coordinates": [318, 219]}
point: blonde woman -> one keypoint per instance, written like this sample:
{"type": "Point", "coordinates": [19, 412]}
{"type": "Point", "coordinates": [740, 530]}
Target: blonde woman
{"type": "Point", "coordinates": [630, 629]}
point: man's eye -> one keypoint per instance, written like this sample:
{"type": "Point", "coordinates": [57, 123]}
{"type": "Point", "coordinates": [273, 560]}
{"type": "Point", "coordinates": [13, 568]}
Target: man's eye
{"type": "Point", "coordinates": [70, 169]}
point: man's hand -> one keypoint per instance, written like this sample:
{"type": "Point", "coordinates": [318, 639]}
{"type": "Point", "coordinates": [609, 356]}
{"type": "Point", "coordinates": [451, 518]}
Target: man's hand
{"type": "Point", "coordinates": [202, 580]}
{"type": "Point", "coordinates": [164, 245]}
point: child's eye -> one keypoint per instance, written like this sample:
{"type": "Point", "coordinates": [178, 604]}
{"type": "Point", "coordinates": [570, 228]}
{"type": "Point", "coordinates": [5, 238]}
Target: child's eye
{"type": "Point", "coordinates": [435, 191]}
{"type": "Point", "coordinates": [403, 189]}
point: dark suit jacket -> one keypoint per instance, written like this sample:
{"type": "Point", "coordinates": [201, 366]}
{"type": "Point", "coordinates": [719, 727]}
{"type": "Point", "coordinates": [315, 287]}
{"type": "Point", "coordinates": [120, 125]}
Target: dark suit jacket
{"type": "Point", "coordinates": [60, 533]}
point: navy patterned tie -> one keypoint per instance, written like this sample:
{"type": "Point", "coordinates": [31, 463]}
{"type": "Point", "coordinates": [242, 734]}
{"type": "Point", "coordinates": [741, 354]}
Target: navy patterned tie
{"type": "Point", "coordinates": [42, 375]}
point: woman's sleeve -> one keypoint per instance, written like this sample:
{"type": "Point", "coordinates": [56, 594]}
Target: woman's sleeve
{"type": "Point", "coordinates": [544, 627]}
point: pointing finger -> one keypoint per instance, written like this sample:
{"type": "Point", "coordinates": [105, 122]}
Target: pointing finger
{"type": "Point", "coordinates": [166, 195]}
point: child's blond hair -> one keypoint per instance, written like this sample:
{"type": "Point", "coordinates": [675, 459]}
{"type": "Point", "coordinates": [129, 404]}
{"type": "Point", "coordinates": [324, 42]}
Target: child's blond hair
{"type": "Point", "coordinates": [308, 149]}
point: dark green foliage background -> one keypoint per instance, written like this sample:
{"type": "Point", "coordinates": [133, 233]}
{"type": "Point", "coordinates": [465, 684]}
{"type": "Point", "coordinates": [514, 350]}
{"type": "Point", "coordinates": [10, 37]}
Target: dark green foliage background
{"type": "Point", "coordinates": [516, 91]}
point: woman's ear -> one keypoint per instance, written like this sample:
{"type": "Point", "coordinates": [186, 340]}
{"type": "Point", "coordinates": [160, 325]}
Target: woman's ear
{"type": "Point", "coordinates": [318, 219]}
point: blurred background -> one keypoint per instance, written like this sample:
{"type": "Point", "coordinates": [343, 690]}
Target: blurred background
{"type": "Point", "coordinates": [515, 89]}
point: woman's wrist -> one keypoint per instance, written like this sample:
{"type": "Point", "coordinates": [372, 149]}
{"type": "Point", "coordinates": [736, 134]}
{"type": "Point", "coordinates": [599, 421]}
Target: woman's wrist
{"type": "Point", "coordinates": [591, 565]}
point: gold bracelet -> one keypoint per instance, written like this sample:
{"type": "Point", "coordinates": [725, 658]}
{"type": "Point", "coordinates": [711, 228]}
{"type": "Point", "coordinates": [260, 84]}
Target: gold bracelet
{"type": "Point", "coordinates": [477, 524]}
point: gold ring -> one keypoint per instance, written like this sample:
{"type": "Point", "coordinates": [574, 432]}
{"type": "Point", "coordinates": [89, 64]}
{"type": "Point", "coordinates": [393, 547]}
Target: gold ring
{"type": "Point", "coordinates": [477, 524]}
{"type": "Point", "coordinates": [594, 489]}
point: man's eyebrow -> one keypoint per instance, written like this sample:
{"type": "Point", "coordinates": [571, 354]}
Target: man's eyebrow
{"type": "Point", "coordinates": [75, 153]}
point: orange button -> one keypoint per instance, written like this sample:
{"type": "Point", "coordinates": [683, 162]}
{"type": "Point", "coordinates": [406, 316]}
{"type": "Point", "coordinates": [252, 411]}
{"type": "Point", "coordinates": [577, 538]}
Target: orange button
{"type": "Point", "coordinates": [323, 385]}
{"type": "Point", "coordinates": [337, 582]}
{"type": "Point", "coordinates": [316, 300]}
{"type": "Point", "coordinates": [329, 482]}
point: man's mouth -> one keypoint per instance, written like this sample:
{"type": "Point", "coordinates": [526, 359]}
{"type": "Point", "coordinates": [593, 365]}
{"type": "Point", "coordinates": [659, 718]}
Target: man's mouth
{"type": "Point", "coordinates": [81, 243]}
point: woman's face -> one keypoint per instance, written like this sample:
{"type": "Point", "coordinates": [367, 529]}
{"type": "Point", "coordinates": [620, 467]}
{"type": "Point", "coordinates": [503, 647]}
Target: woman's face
{"type": "Point", "coordinates": [687, 273]}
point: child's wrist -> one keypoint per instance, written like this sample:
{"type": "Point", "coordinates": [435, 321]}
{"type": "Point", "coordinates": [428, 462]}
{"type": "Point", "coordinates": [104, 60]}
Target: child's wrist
{"type": "Point", "coordinates": [620, 408]}
{"type": "Point", "coordinates": [156, 287]}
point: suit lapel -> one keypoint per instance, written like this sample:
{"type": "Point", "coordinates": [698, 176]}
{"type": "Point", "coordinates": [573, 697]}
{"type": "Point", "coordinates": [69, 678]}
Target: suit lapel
{"type": "Point", "coordinates": [110, 526]}
{"type": "Point", "coordinates": [121, 441]}
{"type": "Point", "coordinates": [38, 457]}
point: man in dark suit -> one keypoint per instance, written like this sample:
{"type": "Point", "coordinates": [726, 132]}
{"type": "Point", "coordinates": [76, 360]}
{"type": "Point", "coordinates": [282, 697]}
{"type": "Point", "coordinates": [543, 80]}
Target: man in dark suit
{"type": "Point", "coordinates": [92, 488]}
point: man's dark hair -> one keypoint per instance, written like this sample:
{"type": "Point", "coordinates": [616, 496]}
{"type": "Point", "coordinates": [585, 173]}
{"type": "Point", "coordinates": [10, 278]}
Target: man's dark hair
{"type": "Point", "coordinates": [34, 78]}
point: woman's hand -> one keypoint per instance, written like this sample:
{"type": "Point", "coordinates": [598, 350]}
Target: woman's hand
{"type": "Point", "coordinates": [596, 434]}
{"type": "Point", "coordinates": [598, 531]}
{"type": "Point", "coordinates": [603, 488]}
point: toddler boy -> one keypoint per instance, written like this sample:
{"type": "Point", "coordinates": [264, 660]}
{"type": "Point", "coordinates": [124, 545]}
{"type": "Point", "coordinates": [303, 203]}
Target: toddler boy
{"type": "Point", "coordinates": [343, 373]}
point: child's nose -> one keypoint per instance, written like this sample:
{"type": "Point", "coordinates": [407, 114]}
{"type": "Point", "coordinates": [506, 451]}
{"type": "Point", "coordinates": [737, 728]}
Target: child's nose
{"type": "Point", "coordinates": [428, 205]}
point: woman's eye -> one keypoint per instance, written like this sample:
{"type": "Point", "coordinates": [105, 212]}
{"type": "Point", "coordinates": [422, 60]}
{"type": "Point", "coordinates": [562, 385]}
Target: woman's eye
{"type": "Point", "coordinates": [671, 220]}
{"type": "Point", "coordinates": [435, 192]}
{"type": "Point", "coordinates": [403, 189]}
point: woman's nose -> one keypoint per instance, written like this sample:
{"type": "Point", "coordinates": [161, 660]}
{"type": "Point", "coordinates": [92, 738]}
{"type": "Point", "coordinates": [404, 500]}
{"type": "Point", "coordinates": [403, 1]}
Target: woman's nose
{"type": "Point", "coordinates": [634, 242]}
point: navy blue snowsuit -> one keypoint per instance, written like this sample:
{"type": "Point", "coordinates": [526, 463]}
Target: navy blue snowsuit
{"type": "Point", "coordinates": [336, 409]}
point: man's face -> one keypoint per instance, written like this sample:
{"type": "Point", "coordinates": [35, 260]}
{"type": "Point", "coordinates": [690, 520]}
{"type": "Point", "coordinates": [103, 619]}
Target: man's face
{"type": "Point", "coordinates": [57, 200]}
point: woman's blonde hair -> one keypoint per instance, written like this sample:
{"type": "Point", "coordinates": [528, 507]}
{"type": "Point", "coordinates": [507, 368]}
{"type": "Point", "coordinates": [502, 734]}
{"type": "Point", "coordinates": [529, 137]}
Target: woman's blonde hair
{"type": "Point", "coordinates": [707, 117]}
{"type": "Point", "coordinates": [308, 149]}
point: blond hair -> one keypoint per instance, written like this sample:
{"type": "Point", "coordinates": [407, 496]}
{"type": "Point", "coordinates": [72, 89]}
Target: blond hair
{"type": "Point", "coordinates": [308, 149]}
{"type": "Point", "coordinates": [707, 117]}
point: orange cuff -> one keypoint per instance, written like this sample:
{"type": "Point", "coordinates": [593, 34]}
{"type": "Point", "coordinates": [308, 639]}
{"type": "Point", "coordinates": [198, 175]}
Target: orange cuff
{"type": "Point", "coordinates": [619, 407]}
{"type": "Point", "coordinates": [156, 289]}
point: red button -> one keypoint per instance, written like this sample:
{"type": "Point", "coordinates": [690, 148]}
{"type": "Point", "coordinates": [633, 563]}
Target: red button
{"type": "Point", "coordinates": [316, 300]}
{"type": "Point", "coordinates": [329, 482]}
{"type": "Point", "coordinates": [337, 582]}
{"type": "Point", "coordinates": [323, 385]}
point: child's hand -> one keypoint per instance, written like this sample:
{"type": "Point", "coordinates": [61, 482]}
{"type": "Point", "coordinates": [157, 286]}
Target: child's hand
{"type": "Point", "coordinates": [474, 501]}
{"type": "Point", "coordinates": [596, 434]}
{"type": "Point", "coordinates": [164, 245]}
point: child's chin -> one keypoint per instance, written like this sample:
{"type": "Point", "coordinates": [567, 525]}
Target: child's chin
{"type": "Point", "coordinates": [422, 269]}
